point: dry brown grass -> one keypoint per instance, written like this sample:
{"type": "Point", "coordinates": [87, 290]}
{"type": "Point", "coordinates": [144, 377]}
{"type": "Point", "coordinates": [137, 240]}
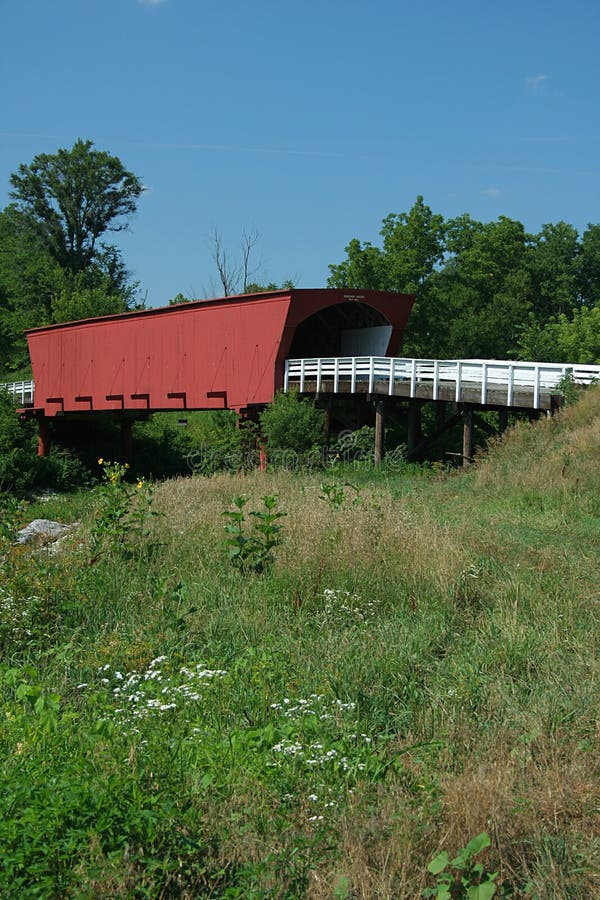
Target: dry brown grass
{"type": "Point", "coordinates": [525, 802]}
{"type": "Point", "coordinates": [555, 452]}
{"type": "Point", "coordinates": [380, 534]}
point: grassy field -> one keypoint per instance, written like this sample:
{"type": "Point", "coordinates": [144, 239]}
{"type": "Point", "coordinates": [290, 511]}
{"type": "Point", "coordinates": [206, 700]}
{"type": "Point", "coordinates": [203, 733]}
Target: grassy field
{"type": "Point", "coordinates": [410, 661]}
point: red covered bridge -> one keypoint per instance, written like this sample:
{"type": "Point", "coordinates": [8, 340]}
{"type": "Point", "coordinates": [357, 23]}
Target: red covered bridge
{"type": "Point", "coordinates": [227, 353]}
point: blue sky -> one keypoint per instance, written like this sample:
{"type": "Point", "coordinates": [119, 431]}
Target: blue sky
{"type": "Point", "coordinates": [308, 122]}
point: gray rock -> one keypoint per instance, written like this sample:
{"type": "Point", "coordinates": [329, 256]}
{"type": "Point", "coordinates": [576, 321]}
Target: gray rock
{"type": "Point", "coordinates": [41, 530]}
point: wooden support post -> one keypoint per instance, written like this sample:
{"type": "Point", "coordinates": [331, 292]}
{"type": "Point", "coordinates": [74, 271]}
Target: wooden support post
{"type": "Point", "coordinates": [44, 437]}
{"type": "Point", "coordinates": [379, 432]}
{"type": "Point", "coordinates": [440, 415]}
{"type": "Point", "coordinates": [467, 435]}
{"type": "Point", "coordinates": [262, 457]}
{"type": "Point", "coordinates": [414, 426]}
{"type": "Point", "coordinates": [327, 430]}
{"type": "Point", "coordinates": [503, 419]}
{"type": "Point", "coordinates": [127, 439]}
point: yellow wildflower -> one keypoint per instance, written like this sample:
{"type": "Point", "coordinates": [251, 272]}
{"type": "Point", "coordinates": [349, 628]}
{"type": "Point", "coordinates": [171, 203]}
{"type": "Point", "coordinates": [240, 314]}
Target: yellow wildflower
{"type": "Point", "coordinates": [100, 461]}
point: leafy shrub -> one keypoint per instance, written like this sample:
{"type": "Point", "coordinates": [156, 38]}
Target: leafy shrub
{"type": "Point", "coordinates": [354, 446]}
{"type": "Point", "coordinates": [292, 423]}
{"type": "Point", "coordinates": [18, 454]}
{"type": "Point", "coordinates": [62, 469]}
{"type": "Point", "coordinates": [11, 510]}
{"type": "Point", "coordinates": [208, 442]}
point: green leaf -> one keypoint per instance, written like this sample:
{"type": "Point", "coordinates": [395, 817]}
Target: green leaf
{"type": "Point", "coordinates": [479, 843]}
{"type": "Point", "coordinates": [438, 864]}
{"type": "Point", "coordinates": [443, 893]}
{"type": "Point", "coordinates": [481, 891]}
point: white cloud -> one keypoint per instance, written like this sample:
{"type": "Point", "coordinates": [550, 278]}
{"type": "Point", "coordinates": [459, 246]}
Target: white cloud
{"type": "Point", "coordinates": [535, 82]}
{"type": "Point", "coordinates": [491, 192]}
{"type": "Point", "coordinates": [151, 2]}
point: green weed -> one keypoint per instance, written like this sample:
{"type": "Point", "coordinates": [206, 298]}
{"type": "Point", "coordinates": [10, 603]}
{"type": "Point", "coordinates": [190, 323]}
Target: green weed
{"type": "Point", "coordinates": [251, 544]}
{"type": "Point", "coordinates": [462, 877]}
{"type": "Point", "coordinates": [124, 514]}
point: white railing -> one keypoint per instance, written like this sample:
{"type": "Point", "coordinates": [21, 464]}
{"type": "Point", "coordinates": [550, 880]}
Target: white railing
{"type": "Point", "coordinates": [435, 373]}
{"type": "Point", "coordinates": [21, 390]}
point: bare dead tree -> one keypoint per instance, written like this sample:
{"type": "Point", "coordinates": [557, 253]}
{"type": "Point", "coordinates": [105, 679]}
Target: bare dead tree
{"type": "Point", "coordinates": [229, 273]}
{"type": "Point", "coordinates": [250, 237]}
{"type": "Point", "coordinates": [236, 273]}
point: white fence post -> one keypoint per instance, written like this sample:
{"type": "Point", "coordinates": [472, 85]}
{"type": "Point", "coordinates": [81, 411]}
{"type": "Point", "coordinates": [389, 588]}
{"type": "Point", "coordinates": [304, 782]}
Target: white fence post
{"type": "Point", "coordinates": [484, 376]}
{"type": "Point", "coordinates": [536, 388]}
{"type": "Point", "coordinates": [436, 378]}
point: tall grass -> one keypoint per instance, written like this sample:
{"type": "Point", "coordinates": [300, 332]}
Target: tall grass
{"type": "Point", "coordinates": [417, 666]}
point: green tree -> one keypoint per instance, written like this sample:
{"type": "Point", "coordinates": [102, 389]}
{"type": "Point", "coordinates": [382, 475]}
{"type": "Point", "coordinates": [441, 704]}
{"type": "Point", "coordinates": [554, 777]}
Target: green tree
{"type": "Point", "coordinates": [29, 276]}
{"type": "Point", "coordinates": [564, 339]}
{"type": "Point", "coordinates": [552, 263]}
{"type": "Point", "coordinates": [484, 288]}
{"type": "Point", "coordinates": [80, 298]}
{"type": "Point", "coordinates": [74, 197]}
{"type": "Point", "coordinates": [363, 268]}
{"type": "Point", "coordinates": [588, 266]}
{"type": "Point", "coordinates": [179, 298]}
{"type": "Point", "coordinates": [413, 244]}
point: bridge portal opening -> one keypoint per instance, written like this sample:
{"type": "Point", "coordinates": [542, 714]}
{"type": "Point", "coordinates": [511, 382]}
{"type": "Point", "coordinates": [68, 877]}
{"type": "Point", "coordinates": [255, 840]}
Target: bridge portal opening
{"type": "Point", "coordinates": [344, 329]}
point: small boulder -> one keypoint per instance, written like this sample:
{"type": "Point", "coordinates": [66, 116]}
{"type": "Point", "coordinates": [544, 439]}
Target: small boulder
{"type": "Point", "coordinates": [42, 530]}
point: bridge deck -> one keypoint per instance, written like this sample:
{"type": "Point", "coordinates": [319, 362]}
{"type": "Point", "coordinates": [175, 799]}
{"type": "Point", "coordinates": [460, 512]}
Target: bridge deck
{"type": "Point", "coordinates": [517, 385]}
{"type": "Point", "coordinates": [524, 385]}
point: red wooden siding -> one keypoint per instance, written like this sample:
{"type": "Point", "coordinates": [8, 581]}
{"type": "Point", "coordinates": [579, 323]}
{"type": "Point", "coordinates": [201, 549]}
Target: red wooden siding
{"type": "Point", "coordinates": [203, 355]}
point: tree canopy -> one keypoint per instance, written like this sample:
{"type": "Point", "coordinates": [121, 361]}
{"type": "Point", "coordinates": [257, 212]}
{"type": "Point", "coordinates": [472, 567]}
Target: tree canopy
{"type": "Point", "coordinates": [72, 198]}
{"type": "Point", "coordinates": [485, 289]}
